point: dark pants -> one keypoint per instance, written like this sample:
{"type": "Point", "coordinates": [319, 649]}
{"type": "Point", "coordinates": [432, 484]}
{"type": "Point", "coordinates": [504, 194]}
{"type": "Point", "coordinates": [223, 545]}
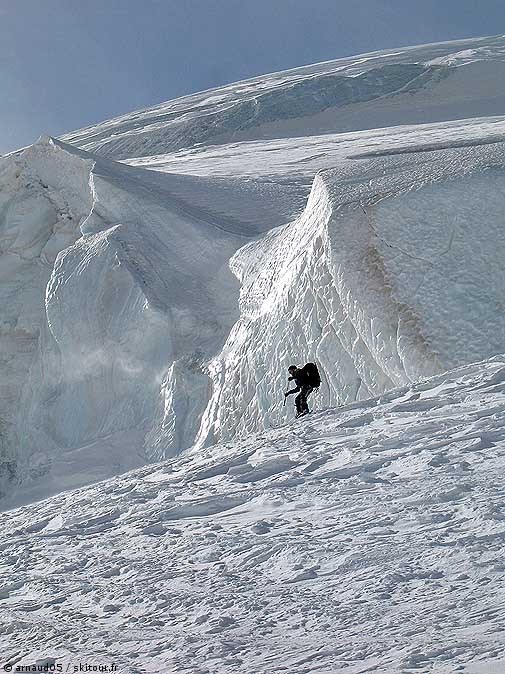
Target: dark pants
{"type": "Point", "coordinates": [301, 399]}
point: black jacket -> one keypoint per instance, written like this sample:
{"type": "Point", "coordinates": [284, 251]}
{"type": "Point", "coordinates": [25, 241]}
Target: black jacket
{"type": "Point", "coordinates": [300, 379]}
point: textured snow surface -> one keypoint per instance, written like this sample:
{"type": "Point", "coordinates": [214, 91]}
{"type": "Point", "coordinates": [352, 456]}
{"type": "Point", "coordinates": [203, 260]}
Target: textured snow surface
{"type": "Point", "coordinates": [367, 538]}
{"type": "Point", "coordinates": [149, 307]}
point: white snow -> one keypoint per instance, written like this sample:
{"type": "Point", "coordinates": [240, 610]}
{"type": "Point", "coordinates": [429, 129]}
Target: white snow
{"type": "Point", "coordinates": [430, 83]}
{"type": "Point", "coordinates": [393, 272]}
{"type": "Point", "coordinates": [134, 283]}
{"type": "Point", "coordinates": [368, 538]}
{"type": "Point", "coordinates": [158, 273]}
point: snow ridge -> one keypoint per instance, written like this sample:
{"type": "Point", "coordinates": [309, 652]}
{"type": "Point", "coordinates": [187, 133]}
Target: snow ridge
{"type": "Point", "coordinates": [355, 285]}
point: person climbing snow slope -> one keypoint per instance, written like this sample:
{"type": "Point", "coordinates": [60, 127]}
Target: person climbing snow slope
{"type": "Point", "coordinates": [306, 379]}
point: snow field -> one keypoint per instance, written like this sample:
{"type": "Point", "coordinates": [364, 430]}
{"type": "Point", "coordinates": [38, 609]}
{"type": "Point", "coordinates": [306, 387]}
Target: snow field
{"type": "Point", "coordinates": [146, 314]}
{"type": "Point", "coordinates": [429, 83]}
{"type": "Point", "coordinates": [368, 537]}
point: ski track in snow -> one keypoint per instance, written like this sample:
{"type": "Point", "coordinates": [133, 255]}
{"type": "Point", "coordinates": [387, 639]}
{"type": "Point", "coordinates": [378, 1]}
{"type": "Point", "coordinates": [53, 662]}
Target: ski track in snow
{"type": "Point", "coordinates": [362, 539]}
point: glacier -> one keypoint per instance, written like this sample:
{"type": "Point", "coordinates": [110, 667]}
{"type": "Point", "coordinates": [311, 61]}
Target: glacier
{"type": "Point", "coordinates": [160, 509]}
{"type": "Point", "coordinates": [86, 364]}
{"type": "Point", "coordinates": [429, 83]}
{"type": "Point", "coordinates": [389, 275]}
{"type": "Point", "coordinates": [152, 302]}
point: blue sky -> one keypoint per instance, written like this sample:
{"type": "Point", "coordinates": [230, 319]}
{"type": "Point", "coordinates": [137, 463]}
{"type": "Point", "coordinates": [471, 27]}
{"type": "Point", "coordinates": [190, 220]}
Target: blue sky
{"type": "Point", "coordinates": [65, 64]}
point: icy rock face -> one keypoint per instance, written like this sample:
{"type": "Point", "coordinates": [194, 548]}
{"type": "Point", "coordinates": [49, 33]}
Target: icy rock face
{"type": "Point", "coordinates": [393, 272]}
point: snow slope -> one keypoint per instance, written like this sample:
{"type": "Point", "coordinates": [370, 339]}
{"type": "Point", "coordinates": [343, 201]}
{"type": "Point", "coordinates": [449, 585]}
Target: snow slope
{"type": "Point", "coordinates": [149, 308]}
{"type": "Point", "coordinates": [414, 85]}
{"type": "Point", "coordinates": [364, 539]}
{"type": "Point", "coordinates": [155, 303]}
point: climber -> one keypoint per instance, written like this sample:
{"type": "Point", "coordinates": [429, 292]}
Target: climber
{"type": "Point", "coordinates": [306, 379]}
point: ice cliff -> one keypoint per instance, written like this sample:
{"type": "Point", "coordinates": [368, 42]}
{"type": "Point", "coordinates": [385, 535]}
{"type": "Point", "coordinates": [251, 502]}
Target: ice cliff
{"type": "Point", "coordinates": [152, 305]}
{"type": "Point", "coordinates": [392, 273]}
{"type": "Point", "coordinates": [104, 292]}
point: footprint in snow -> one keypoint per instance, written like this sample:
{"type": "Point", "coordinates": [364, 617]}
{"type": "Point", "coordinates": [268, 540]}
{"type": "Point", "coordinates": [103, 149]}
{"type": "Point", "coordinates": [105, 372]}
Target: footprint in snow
{"type": "Point", "coordinates": [438, 460]}
{"type": "Point", "coordinates": [58, 526]}
{"type": "Point", "coordinates": [109, 573]}
{"type": "Point", "coordinates": [154, 530]}
{"type": "Point", "coordinates": [5, 590]}
{"type": "Point", "coordinates": [223, 623]}
{"type": "Point", "coordinates": [455, 493]}
{"type": "Point", "coordinates": [264, 470]}
{"type": "Point", "coordinates": [110, 608]}
{"type": "Point", "coordinates": [422, 405]}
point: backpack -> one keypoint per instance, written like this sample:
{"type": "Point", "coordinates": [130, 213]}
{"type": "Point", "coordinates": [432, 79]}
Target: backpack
{"type": "Point", "coordinates": [312, 375]}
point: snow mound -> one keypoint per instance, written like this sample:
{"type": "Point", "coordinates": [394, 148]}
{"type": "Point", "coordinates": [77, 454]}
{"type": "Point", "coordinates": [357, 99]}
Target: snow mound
{"type": "Point", "coordinates": [392, 273]}
{"type": "Point", "coordinates": [446, 81]}
{"type": "Point", "coordinates": [365, 538]}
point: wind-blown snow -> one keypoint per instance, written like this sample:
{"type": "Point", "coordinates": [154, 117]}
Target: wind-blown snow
{"type": "Point", "coordinates": [368, 538]}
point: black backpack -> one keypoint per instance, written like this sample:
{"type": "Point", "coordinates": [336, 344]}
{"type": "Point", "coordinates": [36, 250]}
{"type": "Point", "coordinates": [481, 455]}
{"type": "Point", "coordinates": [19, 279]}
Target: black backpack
{"type": "Point", "coordinates": [312, 375]}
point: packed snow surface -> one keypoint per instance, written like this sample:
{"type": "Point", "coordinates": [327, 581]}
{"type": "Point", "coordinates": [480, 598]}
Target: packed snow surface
{"type": "Point", "coordinates": [362, 539]}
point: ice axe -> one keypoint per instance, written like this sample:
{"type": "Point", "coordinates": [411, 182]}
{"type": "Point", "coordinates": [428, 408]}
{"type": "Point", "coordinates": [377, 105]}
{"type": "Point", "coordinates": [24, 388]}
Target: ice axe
{"type": "Point", "coordinates": [285, 398]}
